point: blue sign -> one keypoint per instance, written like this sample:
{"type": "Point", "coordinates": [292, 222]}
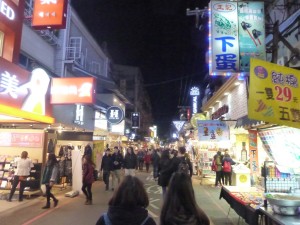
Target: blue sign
{"type": "Point", "coordinates": [114, 114]}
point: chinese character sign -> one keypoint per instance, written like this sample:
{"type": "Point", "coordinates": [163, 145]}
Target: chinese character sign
{"type": "Point", "coordinates": [224, 37]}
{"type": "Point", "coordinates": [251, 33]}
{"type": "Point", "coordinates": [274, 93]}
{"type": "Point", "coordinates": [212, 130]}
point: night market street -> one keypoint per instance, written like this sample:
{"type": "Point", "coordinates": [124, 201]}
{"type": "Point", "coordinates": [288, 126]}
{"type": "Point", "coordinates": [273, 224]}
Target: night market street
{"type": "Point", "coordinates": [73, 211]}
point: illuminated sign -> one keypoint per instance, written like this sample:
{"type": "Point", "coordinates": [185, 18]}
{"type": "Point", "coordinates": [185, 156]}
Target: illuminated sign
{"type": "Point", "coordinates": [135, 120]}
{"type": "Point", "coordinates": [24, 94]}
{"type": "Point", "coordinates": [212, 130]}
{"type": "Point", "coordinates": [49, 14]}
{"type": "Point", "coordinates": [274, 93]}
{"type": "Point", "coordinates": [236, 35]}
{"type": "Point", "coordinates": [178, 124]}
{"type": "Point", "coordinates": [79, 115]}
{"type": "Point", "coordinates": [72, 90]}
{"type": "Point", "coordinates": [194, 93]}
{"type": "Point", "coordinates": [100, 120]}
{"type": "Point", "coordinates": [13, 139]}
{"type": "Point", "coordinates": [114, 114]}
{"type": "Point", "coordinates": [7, 11]}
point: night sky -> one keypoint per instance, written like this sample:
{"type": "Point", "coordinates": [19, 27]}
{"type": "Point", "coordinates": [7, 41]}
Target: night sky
{"type": "Point", "coordinates": [158, 37]}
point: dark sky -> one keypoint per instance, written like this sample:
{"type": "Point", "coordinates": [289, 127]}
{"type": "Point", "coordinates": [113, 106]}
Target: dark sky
{"type": "Point", "coordinates": [158, 37]}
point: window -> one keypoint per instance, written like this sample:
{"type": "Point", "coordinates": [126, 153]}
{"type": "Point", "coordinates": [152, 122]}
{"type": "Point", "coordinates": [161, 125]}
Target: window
{"type": "Point", "coordinates": [74, 49]}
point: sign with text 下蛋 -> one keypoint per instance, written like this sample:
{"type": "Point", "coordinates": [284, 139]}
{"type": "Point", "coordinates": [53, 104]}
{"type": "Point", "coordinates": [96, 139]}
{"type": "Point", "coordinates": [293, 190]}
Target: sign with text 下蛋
{"type": "Point", "coordinates": [49, 14]}
{"type": "Point", "coordinates": [274, 94]}
{"type": "Point", "coordinates": [237, 33]}
{"type": "Point", "coordinates": [24, 94]}
{"type": "Point", "coordinates": [72, 90]}
{"type": "Point", "coordinates": [212, 130]}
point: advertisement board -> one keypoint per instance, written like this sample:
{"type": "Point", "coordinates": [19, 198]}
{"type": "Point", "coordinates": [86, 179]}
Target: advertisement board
{"type": "Point", "coordinates": [212, 130]}
{"type": "Point", "coordinates": [274, 93]}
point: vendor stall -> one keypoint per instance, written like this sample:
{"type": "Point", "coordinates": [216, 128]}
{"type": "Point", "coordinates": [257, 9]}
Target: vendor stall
{"type": "Point", "coordinates": [241, 176]}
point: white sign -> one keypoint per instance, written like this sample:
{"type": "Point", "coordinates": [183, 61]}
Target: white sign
{"type": "Point", "coordinates": [6, 10]}
{"type": "Point", "coordinates": [178, 124]}
{"type": "Point", "coordinates": [79, 115]}
{"type": "Point", "coordinates": [194, 91]}
{"type": "Point", "coordinates": [195, 105]}
{"type": "Point", "coordinates": [224, 38]}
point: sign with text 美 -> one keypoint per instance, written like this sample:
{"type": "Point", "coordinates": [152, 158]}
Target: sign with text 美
{"type": "Point", "coordinates": [274, 93]}
{"type": "Point", "coordinates": [49, 14]}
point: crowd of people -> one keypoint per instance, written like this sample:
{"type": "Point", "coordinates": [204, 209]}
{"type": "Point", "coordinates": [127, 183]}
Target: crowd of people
{"type": "Point", "coordinates": [173, 170]}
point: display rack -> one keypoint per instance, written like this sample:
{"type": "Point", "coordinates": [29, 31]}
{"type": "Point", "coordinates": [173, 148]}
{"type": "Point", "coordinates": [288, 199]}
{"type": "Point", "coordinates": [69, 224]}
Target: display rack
{"type": "Point", "coordinates": [205, 161]}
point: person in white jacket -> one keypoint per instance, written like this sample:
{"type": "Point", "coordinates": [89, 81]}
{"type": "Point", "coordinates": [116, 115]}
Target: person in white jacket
{"type": "Point", "coordinates": [23, 167]}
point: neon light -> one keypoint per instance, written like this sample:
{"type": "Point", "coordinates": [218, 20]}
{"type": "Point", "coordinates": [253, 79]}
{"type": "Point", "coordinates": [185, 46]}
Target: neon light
{"type": "Point", "coordinates": [7, 11]}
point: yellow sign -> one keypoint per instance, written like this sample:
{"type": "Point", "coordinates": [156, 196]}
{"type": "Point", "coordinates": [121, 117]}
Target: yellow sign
{"type": "Point", "coordinates": [195, 117]}
{"type": "Point", "coordinates": [274, 94]}
{"type": "Point", "coordinates": [243, 178]}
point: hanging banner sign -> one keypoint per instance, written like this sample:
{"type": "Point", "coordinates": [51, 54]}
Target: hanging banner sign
{"type": "Point", "coordinates": [254, 165]}
{"type": "Point", "coordinates": [274, 94]}
{"type": "Point", "coordinates": [194, 95]}
{"type": "Point", "coordinates": [212, 130]}
{"type": "Point", "coordinates": [251, 33]}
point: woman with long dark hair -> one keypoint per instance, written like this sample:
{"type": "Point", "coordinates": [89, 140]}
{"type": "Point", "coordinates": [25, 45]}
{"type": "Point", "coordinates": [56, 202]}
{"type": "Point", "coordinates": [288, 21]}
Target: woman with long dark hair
{"type": "Point", "coordinates": [180, 206]}
{"type": "Point", "coordinates": [50, 178]}
{"type": "Point", "coordinates": [87, 178]}
{"type": "Point", "coordinates": [128, 205]}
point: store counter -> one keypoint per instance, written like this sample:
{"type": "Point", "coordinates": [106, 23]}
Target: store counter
{"type": "Point", "coordinates": [272, 218]}
{"type": "Point", "coordinates": [242, 206]}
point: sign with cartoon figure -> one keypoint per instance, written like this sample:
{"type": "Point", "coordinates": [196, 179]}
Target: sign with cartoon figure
{"type": "Point", "coordinates": [212, 130]}
{"type": "Point", "coordinates": [24, 94]}
{"type": "Point", "coordinates": [274, 94]}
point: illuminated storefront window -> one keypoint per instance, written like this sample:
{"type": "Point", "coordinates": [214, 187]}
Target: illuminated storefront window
{"type": "Point", "coordinates": [1, 42]}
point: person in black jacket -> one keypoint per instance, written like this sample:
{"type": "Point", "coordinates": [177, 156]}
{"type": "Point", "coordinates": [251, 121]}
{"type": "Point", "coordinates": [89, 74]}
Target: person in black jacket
{"type": "Point", "coordinates": [117, 161]}
{"type": "Point", "coordinates": [181, 156]}
{"type": "Point", "coordinates": [130, 162]}
{"type": "Point", "coordinates": [106, 166]}
{"type": "Point", "coordinates": [155, 161]}
{"type": "Point", "coordinates": [128, 205]}
{"type": "Point", "coordinates": [164, 170]}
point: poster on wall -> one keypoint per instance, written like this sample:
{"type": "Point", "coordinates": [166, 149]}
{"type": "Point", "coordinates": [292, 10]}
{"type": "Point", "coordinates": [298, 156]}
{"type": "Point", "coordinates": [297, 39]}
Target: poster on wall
{"type": "Point", "coordinates": [13, 139]}
{"type": "Point", "coordinates": [274, 94]}
{"type": "Point", "coordinates": [212, 130]}
{"type": "Point", "coordinates": [254, 166]}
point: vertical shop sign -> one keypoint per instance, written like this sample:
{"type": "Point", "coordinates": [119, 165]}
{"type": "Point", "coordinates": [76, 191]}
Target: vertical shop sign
{"type": "Point", "coordinates": [79, 115]}
{"type": "Point", "coordinates": [254, 167]}
{"type": "Point", "coordinates": [274, 94]}
{"type": "Point", "coordinates": [194, 93]}
{"type": "Point", "coordinates": [135, 120]}
{"type": "Point", "coordinates": [251, 33]}
{"type": "Point", "coordinates": [49, 14]}
{"type": "Point", "coordinates": [224, 38]}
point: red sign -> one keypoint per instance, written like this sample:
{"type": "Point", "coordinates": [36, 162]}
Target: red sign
{"type": "Point", "coordinates": [49, 14]}
{"type": "Point", "coordinates": [73, 90]}
{"type": "Point", "coordinates": [30, 140]}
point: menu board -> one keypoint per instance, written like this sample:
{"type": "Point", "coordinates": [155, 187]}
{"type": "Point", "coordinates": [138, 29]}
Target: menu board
{"type": "Point", "coordinates": [283, 145]}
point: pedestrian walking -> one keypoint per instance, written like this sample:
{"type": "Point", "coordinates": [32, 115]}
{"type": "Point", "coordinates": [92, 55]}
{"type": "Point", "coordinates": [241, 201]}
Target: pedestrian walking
{"type": "Point", "coordinates": [23, 166]}
{"type": "Point", "coordinates": [50, 177]}
{"type": "Point", "coordinates": [164, 171]}
{"type": "Point", "coordinates": [218, 161]}
{"type": "Point", "coordinates": [147, 160]}
{"type": "Point", "coordinates": [155, 161]}
{"type": "Point", "coordinates": [140, 156]}
{"type": "Point", "coordinates": [106, 166]}
{"type": "Point", "coordinates": [88, 179]}
{"type": "Point", "coordinates": [227, 162]}
{"type": "Point", "coordinates": [180, 161]}
{"type": "Point", "coordinates": [128, 205]}
{"type": "Point", "coordinates": [180, 206]}
{"type": "Point", "coordinates": [130, 162]}
{"type": "Point", "coordinates": [117, 161]}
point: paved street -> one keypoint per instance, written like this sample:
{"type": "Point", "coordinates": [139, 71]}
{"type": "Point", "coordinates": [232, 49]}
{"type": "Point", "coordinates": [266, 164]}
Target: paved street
{"type": "Point", "coordinates": [73, 211]}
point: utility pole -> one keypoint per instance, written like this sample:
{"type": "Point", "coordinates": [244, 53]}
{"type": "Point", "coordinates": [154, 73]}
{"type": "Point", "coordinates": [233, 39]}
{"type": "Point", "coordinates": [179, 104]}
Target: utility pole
{"type": "Point", "coordinates": [196, 12]}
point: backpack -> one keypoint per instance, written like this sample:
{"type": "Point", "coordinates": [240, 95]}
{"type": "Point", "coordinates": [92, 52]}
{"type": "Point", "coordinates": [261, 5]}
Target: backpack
{"type": "Point", "coordinates": [227, 166]}
{"type": "Point", "coordinates": [214, 166]}
{"type": "Point", "coordinates": [184, 167]}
